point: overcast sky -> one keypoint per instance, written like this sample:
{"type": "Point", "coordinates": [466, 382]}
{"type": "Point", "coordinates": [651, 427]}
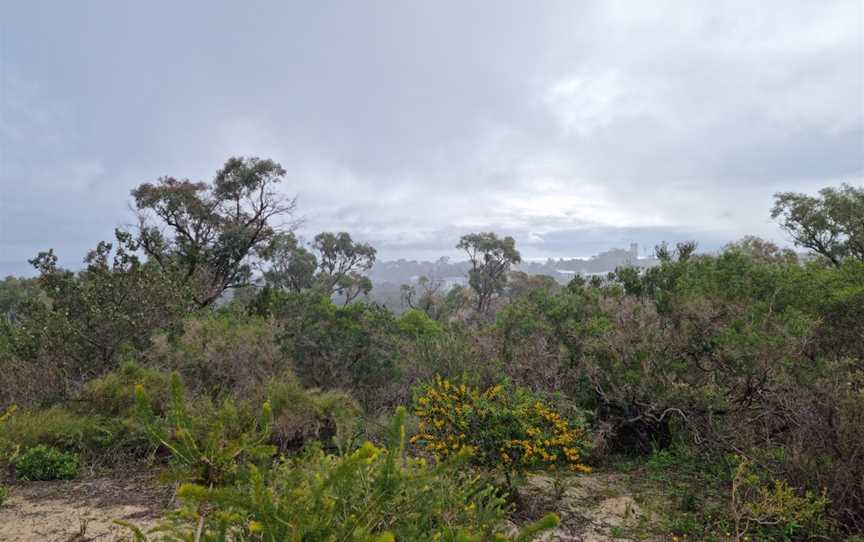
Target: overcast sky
{"type": "Point", "coordinates": [574, 126]}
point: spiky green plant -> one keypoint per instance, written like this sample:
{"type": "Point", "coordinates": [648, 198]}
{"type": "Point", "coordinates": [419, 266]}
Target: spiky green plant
{"type": "Point", "coordinates": [211, 447]}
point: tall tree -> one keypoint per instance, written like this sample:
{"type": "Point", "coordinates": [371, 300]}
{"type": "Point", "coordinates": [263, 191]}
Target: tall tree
{"type": "Point", "coordinates": [291, 266]}
{"type": "Point", "coordinates": [491, 258]}
{"type": "Point", "coordinates": [424, 296]}
{"type": "Point", "coordinates": [338, 268]}
{"type": "Point", "coordinates": [831, 224]}
{"type": "Point", "coordinates": [341, 264]}
{"type": "Point", "coordinates": [206, 233]}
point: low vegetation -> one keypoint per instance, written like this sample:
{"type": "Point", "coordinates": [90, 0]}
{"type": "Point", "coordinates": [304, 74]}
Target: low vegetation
{"type": "Point", "coordinates": [729, 387]}
{"type": "Point", "coordinates": [43, 462]}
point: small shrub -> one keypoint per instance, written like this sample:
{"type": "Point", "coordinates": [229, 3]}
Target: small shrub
{"type": "Point", "coordinates": [4, 492]}
{"type": "Point", "coordinates": [509, 432]}
{"type": "Point", "coordinates": [113, 394]}
{"type": "Point", "coordinates": [416, 324]}
{"type": "Point", "coordinates": [46, 463]}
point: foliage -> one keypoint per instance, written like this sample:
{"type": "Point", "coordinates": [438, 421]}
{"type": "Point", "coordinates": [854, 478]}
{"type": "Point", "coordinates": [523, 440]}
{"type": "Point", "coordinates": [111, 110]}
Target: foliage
{"type": "Point", "coordinates": [427, 299]}
{"type": "Point", "coordinates": [337, 270]}
{"type": "Point", "coordinates": [509, 432]}
{"type": "Point", "coordinates": [370, 494]}
{"type": "Point", "coordinates": [774, 510]}
{"type": "Point", "coordinates": [351, 348]}
{"type": "Point", "coordinates": [113, 394]}
{"type": "Point", "coordinates": [14, 292]}
{"type": "Point", "coordinates": [291, 265]}
{"type": "Point", "coordinates": [46, 463]}
{"type": "Point", "coordinates": [416, 324]}
{"type": "Point", "coordinates": [96, 437]}
{"type": "Point", "coordinates": [762, 251]}
{"type": "Point", "coordinates": [456, 353]}
{"type": "Point", "coordinates": [212, 229]}
{"type": "Point", "coordinates": [211, 446]}
{"type": "Point", "coordinates": [220, 354]}
{"type": "Point", "coordinates": [91, 318]}
{"type": "Point", "coordinates": [521, 284]}
{"type": "Point", "coordinates": [4, 493]}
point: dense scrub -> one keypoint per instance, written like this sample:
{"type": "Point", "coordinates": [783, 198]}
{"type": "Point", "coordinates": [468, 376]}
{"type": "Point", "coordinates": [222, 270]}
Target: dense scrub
{"type": "Point", "coordinates": [744, 369]}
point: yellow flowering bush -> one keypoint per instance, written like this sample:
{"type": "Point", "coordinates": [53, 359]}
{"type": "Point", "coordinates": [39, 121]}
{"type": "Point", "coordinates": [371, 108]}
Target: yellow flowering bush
{"type": "Point", "coordinates": [511, 431]}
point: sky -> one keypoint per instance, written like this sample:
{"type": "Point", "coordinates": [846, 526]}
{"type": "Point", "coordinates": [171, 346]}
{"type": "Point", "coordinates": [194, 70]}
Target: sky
{"type": "Point", "coordinates": [574, 126]}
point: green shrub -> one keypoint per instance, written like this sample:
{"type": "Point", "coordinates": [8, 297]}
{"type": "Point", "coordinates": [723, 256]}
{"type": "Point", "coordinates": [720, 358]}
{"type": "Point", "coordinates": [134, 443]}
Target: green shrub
{"type": "Point", "coordinates": [4, 492]}
{"type": "Point", "coordinates": [351, 348]}
{"type": "Point", "coordinates": [509, 432]}
{"type": "Point", "coordinates": [98, 439]}
{"type": "Point", "coordinates": [369, 495]}
{"type": "Point", "coordinates": [113, 394]}
{"type": "Point", "coordinates": [301, 415]}
{"type": "Point", "coordinates": [46, 463]}
{"type": "Point", "coordinates": [773, 510]}
{"type": "Point", "coordinates": [98, 424]}
{"type": "Point", "coordinates": [416, 324]}
{"type": "Point", "coordinates": [221, 354]}
{"type": "Point", "coordinates": [212, 445]}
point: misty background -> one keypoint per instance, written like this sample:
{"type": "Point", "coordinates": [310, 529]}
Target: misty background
{"type": "Point", "coordinates": [575, 127]}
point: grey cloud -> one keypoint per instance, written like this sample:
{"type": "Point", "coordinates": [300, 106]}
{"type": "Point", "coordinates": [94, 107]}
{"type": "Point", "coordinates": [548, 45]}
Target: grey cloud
{"type": "Point", "coordinates": [571, 125]}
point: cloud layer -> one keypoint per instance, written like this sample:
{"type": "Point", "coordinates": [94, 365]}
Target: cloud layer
{"type": "Point", "coordinates": [573, 126]}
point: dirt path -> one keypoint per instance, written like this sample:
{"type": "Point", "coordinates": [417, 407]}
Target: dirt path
{"type": "Point", "coordinates": [81, 510]}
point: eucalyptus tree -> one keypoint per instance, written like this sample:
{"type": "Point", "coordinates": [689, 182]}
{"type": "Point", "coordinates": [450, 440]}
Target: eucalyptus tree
{"type": "Point", "coordinates": [206, 234]}
{"type": "Point", "coordinates": [830, 224]}
{"type": "Point", "coordinates": [491, 258]}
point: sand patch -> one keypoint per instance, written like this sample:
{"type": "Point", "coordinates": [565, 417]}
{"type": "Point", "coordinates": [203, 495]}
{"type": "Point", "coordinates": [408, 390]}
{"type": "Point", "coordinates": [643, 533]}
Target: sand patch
{"type": "Point", "coordinates": [81, 510]}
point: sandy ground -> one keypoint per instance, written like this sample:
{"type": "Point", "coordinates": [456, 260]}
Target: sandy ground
{"type": "Point", "coordinates": [81, 510]}
{"type": "Point", "coordinates": [594, 508]}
